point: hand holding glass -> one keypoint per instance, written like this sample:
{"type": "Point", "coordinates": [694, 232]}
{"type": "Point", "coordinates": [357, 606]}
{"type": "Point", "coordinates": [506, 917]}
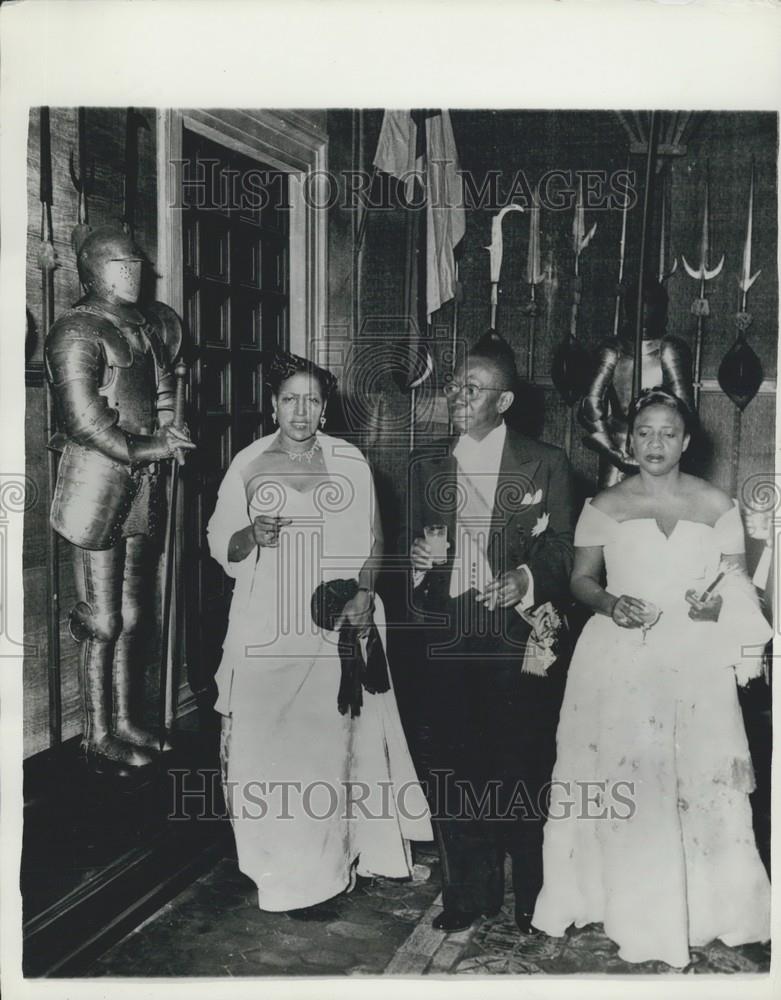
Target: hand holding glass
{"type": "Point", "coordinates": [650, 615]}
{"type": "Point", "coordinates": [436, 539]}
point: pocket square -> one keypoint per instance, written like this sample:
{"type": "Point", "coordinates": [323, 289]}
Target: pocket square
{"type": "Point", "coordinates": [530, 498]}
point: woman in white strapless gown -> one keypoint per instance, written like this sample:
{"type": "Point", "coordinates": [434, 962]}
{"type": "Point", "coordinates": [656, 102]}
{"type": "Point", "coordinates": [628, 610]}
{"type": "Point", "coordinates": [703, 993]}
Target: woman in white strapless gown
{"type": "Point", "coordinates": [315, 796]}
{"type": "Point", "coordinates": [650, 826]}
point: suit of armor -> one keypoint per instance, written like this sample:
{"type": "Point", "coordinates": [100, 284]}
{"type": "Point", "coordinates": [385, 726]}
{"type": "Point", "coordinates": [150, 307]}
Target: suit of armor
{"type": "Point", "coordinates": [604, 409]}
{"type": "Point", "coordinates": [109, 366]}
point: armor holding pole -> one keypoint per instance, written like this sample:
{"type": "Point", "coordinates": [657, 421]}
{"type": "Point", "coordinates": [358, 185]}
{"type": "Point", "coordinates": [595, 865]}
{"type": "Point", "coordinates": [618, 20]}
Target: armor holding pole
{"type": "Point", "coordinates": [47, 261]}
{"type": "Point", "coordinates": [109, 365]}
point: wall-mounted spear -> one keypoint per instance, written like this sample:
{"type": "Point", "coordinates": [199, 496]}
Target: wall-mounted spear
{"type": "Point", "coordinates": [534, 276]}
{"type": "Point", "coordinates": [47, 261]}
{"type": "Point", "coordinates": [662, 273]}
{"type": "Point", "coordinates": [621, 259]}
{"type": "Point", "coordinates": [747, 279]}
{"type": "Point", "coordinates": [700, 306]}
{"type": "Point", "coordinates": [571, 363]}
{"type": "Point", "coordinates": [496, 251]}
{"type": "Point", "coordinates": [740, 372]}
{"type": "Point", "coordinates": [580, 240]}
{"type": "Point", "coordinates": [84, 182]}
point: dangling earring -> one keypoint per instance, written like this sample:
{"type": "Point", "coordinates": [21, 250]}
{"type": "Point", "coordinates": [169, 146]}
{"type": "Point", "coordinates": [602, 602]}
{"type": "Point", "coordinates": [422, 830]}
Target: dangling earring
{"type": "Point", "coordinates": [274, 416]}
{"type": "Point", "coordinates": [322, 420]}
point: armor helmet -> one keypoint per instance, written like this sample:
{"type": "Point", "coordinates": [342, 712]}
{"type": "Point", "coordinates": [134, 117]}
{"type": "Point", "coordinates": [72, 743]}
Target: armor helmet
{"type": "Point", "coordinates": [109, 264]}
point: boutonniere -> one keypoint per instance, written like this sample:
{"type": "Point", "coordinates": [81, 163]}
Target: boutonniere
{"type": "Point", "coordinates": [541, 525]}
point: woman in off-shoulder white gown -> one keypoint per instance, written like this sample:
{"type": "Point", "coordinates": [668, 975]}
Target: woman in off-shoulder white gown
{"type": "Point", "coordinates": [650, 825]}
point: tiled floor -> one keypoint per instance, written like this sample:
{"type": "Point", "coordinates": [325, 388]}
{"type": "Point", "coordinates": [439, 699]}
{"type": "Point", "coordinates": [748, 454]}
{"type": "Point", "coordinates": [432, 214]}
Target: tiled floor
{"type": "Point", "coordinates": [214, 928]}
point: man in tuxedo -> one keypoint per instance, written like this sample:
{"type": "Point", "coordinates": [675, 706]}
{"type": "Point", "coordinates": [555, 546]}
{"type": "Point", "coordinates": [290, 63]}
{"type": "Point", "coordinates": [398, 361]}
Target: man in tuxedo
{"type": "Point", "coordinates": [490, 675]}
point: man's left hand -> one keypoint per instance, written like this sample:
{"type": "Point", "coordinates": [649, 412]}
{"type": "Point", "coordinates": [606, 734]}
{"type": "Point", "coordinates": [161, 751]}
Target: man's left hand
{"type": "Point", "coordinates": [506, 590]}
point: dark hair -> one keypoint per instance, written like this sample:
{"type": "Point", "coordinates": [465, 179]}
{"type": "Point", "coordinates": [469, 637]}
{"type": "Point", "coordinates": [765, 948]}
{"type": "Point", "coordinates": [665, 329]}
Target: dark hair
{"type": "Point", "coordinates": [659, 396]}
{"type": "Point", "coordinates": [282, 365]}
{"type": "Point", "coordinates": [494, 350]}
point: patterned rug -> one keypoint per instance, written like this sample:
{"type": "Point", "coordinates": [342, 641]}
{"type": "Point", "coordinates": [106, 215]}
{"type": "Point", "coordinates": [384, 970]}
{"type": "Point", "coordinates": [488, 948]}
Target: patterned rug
{"type": "Point", "coordinates": [497, 948]}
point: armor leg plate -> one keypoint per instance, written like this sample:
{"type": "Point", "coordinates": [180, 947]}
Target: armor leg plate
{"type": "Point", "coordinates": [96, 621]}
{"type": "Point", "coordinates": [139, 575]}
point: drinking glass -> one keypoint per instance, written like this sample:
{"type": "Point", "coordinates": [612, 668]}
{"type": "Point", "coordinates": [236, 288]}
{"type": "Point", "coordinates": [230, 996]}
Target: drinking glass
{"type": "Point", "coordinates": [650, 615]}
{"type": "Point", "coordinates": [436, 537]}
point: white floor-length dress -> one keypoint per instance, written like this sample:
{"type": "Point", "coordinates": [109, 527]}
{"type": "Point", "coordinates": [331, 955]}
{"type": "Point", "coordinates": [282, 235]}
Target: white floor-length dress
{"type": "Point", "coordinates": [660, 717]}
{"type": "Point", "coordinates": [314, 795]}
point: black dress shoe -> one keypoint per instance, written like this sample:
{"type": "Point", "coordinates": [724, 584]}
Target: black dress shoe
{"type": "Point", "coordinates": [454, 920]}
{"type": "Point", "coordinates": [523, 921]}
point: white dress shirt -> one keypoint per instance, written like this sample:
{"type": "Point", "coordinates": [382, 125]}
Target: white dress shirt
{"type": "Point", "coordinates": [480, 461]}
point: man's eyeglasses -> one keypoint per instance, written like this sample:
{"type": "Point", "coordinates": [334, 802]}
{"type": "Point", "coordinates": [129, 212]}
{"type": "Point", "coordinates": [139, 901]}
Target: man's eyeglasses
{"type": "Point", "coordinates": [472, 391]}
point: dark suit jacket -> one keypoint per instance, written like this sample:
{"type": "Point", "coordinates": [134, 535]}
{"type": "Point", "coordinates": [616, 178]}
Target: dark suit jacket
{"type": "Point", "coordinates": [526, 467]}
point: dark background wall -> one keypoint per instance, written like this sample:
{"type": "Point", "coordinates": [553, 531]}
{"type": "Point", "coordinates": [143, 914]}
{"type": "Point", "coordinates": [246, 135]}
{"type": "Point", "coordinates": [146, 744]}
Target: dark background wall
{"type": "Point", "coordinates": [721, 144]}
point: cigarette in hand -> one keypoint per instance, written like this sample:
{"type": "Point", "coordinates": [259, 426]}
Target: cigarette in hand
{"type": "Point", "coordinates": [707, 593]}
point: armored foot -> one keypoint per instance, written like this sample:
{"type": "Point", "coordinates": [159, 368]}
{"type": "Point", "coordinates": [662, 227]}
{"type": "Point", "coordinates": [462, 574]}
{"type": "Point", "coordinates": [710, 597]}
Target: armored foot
{"type": "Point", "coordinates": [123, 754]}
{"type": "Point", "coordinates": [130, 733]}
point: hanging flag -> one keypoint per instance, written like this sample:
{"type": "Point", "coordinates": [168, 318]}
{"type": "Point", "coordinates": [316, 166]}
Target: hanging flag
{"type": "Point", "coordinates": [397, 148]}
{"type": "Point", "coordinates": [445, 214]}
{"type": "Point", "coordinates": [419, 146]}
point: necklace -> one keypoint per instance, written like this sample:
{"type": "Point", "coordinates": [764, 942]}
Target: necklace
{"type": "Point", "coordinates": [302, 456]}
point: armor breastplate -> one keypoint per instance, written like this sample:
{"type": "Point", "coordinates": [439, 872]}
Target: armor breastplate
{"type": "Point", "coordinates": [650, 374]}
{"type": "Point", "coordinates": [132, 390]}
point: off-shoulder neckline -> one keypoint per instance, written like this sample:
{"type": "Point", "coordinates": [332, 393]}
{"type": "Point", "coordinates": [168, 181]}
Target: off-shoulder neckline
{"type": "Point", "coordinates": [685, 520]}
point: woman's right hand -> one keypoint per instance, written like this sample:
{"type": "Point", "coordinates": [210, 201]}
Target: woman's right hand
{"type": "Point", "coordinates": [420, 555]}
{"type": "Point", "coordinates": [628, 612]}
{"type": "Point", "coordinates": [265, 530]}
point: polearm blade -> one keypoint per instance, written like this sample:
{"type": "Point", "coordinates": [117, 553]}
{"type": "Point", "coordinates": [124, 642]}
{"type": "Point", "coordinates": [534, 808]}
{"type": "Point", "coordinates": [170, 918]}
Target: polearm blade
{"type": "Point", "coordinates": [621, 259]}
{"type": "Point", "coordinates": [663, 274]}
{"type": "Point", "coordinates": [496, 252]}
{"type": "Point", "coordinates": [703, 273]}
{"type": "Point", "coordinates": [534, 276]}
{"type": "Point", "coordinates": [83, 181]}
{"type": "Point", "coordinates": [700, 306]}
{"type": "Point", "coordinates": [47, 261]}
{"type": "Point", "coordinates": [740, 372]}
{"type": "Point", "coordinates": [580, 240]}
{"type": "Point", "coordinates": [534, 272]}
{"type": "Point", "coordinates": [746, 279]}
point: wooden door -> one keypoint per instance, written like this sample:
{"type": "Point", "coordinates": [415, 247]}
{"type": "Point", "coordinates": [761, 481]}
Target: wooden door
{"type": "Point", "coordinates": [235, 231]}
